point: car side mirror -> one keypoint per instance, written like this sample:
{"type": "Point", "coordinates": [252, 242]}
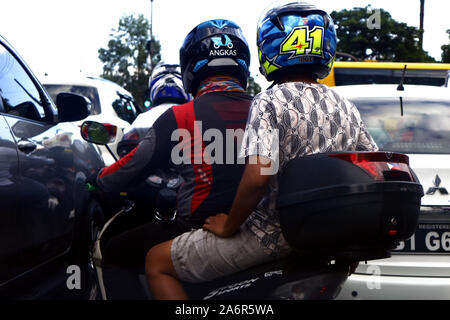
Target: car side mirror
{"type": "Point", "coordinates": [72, 107]}
{"type": "Point", "coordinates": [98, 133]}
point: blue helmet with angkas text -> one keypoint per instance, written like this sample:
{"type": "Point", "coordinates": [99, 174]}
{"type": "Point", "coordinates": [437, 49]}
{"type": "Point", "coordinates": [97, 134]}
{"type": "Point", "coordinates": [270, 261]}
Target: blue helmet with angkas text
{"type": "Point", "coordinates": [214, 47]}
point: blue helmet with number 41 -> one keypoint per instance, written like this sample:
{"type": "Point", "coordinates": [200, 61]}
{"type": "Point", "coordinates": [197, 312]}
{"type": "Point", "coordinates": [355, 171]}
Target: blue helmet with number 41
{"type": "Point", "coordinates": [295, 36]}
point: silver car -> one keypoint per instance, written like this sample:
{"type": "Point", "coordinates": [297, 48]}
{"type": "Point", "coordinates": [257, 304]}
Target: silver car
{"type": "Point", "coordinates": [415, 121]}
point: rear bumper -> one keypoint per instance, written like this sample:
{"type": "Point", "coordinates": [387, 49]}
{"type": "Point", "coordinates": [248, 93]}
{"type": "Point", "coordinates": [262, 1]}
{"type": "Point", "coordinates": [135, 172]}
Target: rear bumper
{"type": "Point", "coordinates": [400, 277]}
{"type": "Point", "coordinates": [370, 287]}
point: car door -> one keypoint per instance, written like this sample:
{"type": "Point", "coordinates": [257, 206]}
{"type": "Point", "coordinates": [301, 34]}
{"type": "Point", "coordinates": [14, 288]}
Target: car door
{"type": "Point", "coordinates": [9, 179]}
{"type": "Point", "coordinates": [40, 223]}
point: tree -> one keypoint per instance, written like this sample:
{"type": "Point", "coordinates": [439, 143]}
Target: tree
{"type": "Point", "coordinates": [392, 41]}
{"type": "Point", "coordinates": [446, 50]}
{"type": "Point", "coordinates": [125, 60]}
{"type": "Point", "coordinates": [253, 88]}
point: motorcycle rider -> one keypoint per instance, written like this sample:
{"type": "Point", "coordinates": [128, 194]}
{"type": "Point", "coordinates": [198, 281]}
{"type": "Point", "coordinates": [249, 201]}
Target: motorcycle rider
{"type": "Point", "coordinates": [297, 116]}
{"type": "Point", "coordinates": [217, 76]}
{"type": "Point", "coordinates": [165, 90]}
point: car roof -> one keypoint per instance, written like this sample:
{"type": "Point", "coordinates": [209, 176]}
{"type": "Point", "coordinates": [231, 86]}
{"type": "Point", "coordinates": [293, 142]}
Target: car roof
{"type": "Point", "coordinates": [390, 91]}
{"type": "Point", "coordinates": [83, 81]}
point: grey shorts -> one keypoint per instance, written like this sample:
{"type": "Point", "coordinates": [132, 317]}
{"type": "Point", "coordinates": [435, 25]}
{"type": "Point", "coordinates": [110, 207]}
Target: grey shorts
{"type": "Point", "coordinates": [200, 255]}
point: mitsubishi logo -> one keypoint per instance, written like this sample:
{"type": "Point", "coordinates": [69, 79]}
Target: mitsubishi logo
{"type": "Point", "coordinates": [437, 182]}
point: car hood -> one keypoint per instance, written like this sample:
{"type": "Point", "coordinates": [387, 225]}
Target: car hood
{"type": "Point", "coordinates": [433, 171]}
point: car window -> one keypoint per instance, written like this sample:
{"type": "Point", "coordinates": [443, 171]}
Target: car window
{"type": "Point", "coordinates": [18, 93]}
{"type": "Point", "coordinates": [349, 76]}
{"type": "Point", "coordinates": [423, 128]}
{"type": "Point", "coordinates": [125, 107]}
{"type": "Point", "coordinates": [89, 92]}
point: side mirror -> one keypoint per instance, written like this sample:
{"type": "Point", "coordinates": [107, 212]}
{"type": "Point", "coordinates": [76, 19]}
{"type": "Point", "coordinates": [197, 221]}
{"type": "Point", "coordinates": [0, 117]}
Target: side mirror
{"type": "Point", "coordinates": [72, 107]}
{"type": "Point", "coordinates": [98, 133]}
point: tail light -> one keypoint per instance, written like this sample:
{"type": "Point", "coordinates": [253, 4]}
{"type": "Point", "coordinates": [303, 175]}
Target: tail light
{"type": "Point", "coordinates": [381, 166]}
{"type": "Point", "coordinates": [132, 135]}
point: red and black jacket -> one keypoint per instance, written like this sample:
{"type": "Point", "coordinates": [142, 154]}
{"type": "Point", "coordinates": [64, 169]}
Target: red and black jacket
{"type": "Point", "coordinates": [211, 180]}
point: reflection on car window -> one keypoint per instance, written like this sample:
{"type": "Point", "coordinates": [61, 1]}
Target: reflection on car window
{"type": "Point", "coordinates": [423, 128]}
{"type": "Point", "coordinates": [89, 92]}
{"type": "Point", "coordinates": [125, 107]}
{"type": "Point", "coordinates": [19, 95]}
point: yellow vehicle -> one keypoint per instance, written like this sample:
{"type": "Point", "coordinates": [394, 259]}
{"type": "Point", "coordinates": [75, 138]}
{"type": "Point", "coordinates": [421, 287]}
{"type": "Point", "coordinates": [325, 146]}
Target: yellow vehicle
{"type": "Point", "coordinates": [369, 72]}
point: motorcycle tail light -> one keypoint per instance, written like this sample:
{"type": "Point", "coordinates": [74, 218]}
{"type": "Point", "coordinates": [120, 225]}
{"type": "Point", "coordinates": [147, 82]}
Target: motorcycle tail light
{"type": "Point", "coordinates": [381, 166]}
{"type": "Point", "coordinates": [393, 232]}
{"type": "Point", "coordinates": [132, 135]}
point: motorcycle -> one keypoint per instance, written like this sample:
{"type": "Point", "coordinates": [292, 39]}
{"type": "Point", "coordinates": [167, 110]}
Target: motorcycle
{"type": "Point", "coordinates": [335, 210]}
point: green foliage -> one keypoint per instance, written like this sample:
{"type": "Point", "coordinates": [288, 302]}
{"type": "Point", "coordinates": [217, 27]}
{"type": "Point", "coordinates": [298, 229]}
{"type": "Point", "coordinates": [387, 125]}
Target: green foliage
{"type": "Point", "coordinates": [253, 88]}
{"type": "Point", "coordinates": [125, 60]}
{"type": "Point", "coordinates": [446, 50]}
{"type": "Point", "coordinates": [394, 41]}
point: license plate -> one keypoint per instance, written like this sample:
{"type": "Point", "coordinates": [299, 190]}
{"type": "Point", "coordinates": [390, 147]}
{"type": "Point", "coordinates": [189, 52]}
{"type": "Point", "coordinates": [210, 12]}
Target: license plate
{"type": "Point", "coordinates": [428, 238]}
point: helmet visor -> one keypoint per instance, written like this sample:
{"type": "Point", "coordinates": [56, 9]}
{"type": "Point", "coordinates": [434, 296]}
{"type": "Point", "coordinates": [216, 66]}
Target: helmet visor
{"type": "Point", "coordinates": [281, 7]}
{"type": "Point", "coordinates": [208, 30]}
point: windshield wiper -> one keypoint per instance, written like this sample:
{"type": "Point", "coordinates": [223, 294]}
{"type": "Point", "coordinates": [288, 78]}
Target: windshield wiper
{"type": "Point", "coordinates": [401, 88]}
{"type": "Point", "coordinates": [28, 93]}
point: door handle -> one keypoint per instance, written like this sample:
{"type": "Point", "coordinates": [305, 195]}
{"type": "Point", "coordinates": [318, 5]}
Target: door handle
{"type": "Point", "coordinates": [26, 146]}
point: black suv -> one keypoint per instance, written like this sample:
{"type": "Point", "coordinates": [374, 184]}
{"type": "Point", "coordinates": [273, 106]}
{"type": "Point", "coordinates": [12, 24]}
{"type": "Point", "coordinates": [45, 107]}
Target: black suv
{"type": "Point", "coordinates": [47, 218]}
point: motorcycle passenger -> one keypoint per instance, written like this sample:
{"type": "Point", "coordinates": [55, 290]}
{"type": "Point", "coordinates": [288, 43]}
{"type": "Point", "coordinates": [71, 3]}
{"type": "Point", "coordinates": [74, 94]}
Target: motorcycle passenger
{"type": "Point", "coordinates": [297, 116]}
{"type": "Point", "coordinates": [217, 76]}
{"type": "Point", "coordinates": [165, 90]}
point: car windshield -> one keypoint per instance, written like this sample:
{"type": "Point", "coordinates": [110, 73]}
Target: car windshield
{"type": "Point", "coordinates": [89, 92]}
{"type": "Point", "coordinates": [423, 128]}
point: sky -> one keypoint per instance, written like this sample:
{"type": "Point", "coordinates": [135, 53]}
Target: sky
{"type": "Point", "coordinates": [62, 37]}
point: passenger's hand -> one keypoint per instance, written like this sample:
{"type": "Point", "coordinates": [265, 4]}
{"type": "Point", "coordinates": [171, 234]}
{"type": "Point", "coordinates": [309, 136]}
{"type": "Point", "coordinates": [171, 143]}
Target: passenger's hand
{"type": "Point", "coordinates": [217, 225]}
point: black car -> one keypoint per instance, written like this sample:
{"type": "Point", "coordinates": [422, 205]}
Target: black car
{"type": "Point", "coordinates": [48, 219]}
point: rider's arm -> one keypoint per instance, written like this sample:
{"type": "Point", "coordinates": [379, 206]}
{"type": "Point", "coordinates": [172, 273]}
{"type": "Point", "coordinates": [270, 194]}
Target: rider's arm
{"type": "Point", "coordinates": [153, 152]}
{"type": "Point", "coordinates": [250, 192]}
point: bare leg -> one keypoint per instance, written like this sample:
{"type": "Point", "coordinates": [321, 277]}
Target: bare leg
{"type": "Point", "coordinates": [161, 274]}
